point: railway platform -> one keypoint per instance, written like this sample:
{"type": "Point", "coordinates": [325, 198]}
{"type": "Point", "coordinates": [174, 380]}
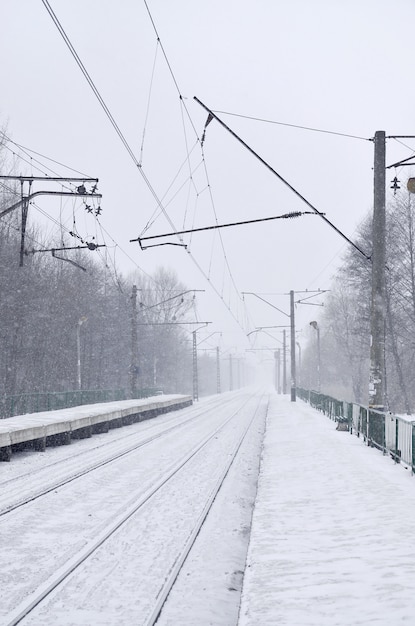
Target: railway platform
{"type": "Point", "coordinates": [332, 529]}
{"type": "Point", "coordinates": [60, 427]}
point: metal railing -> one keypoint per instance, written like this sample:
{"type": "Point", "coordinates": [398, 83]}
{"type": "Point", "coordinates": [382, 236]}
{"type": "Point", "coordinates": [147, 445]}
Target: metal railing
{"type": "Point", "coordinates": [23, 403]}
{"type": "Point", "coordinates": [392, 434]}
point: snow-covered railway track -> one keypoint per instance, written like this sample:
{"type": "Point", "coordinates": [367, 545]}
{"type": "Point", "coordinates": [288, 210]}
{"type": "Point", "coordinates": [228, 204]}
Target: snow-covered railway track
{"type": "Point", "coordinates": [227, 438]}
{"type": "Point", "coordinates": [19, 491]}
{"type": "Point", "coordinates": [181, 558]}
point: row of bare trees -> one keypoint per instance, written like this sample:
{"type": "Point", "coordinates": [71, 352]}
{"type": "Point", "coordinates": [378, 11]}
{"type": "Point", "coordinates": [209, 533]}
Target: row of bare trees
{"type": "Point", "coordinates": [53, 316]}
{"type": "Point", "coordinates": [345, 325]}
{"type": "Point", "coordinates": [81, 325]}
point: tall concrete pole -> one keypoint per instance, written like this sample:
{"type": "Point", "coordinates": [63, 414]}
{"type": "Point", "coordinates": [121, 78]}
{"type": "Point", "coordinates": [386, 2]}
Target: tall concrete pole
{"type": "Point", "coordinates": [218, 389]}
{"type": "Point", "coordinates": [318, 359]}
{"type": "Point", "coordinates": [284, 362]}
{"type": "Point", "coordinates": [293, 372]}
{"type": "Point", "coordinates": [78, 355]}
{"type": "Point", "coordinates": [195, 372]}
{"type": "Point", "coordinates": [276, 370]}
{"type": "Point", "coordinates": [299, 363]}
{"type": "Point", "coordinates": [377, 340]}
{"type": "Point", "coordinates": [134, 338]}
{"type": "Point", "coordinates": [78, 350]}
{"type": "Point", "coordinates": [279, 370]}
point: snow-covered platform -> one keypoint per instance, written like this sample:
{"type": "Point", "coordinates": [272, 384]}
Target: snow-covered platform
{"type": "Point", "coordinates": [59, 427]}
{"type": "Point", "coordinates": [333, 527]}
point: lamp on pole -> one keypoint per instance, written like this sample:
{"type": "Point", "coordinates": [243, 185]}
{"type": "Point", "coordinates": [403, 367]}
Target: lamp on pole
{"type": "Point", "coordinates": [277, 370]}
{"type": "Point", "coordinates": [317, 329]}
{"type": "Point", "coordinates": [78, 349]}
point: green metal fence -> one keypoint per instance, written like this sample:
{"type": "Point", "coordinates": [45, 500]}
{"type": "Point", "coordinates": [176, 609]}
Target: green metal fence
{"type": "Point", "coordinates": [392, 434]}
{"type": "Point", "coordinates": [21, 404]}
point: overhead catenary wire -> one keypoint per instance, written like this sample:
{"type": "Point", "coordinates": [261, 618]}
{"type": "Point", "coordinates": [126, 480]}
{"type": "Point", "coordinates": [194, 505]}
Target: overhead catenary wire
{"type": "Point", "coordinates": [32, 203]}
{"type": "Point", "coordinates": [148, 103]}
{"type": "Point", "coordinates": [69, 186]}
{"type": "Point", "coordinates": [309, 128]}
{"type": "Point", "coordinates": [29, 236]}
{"type": "Point", "coordinates": [216, 220]}
{"type": "Point", "coordinates": [113, 121]}
{"type": "Point", "coordinates": [63, 228]}
{"type": "Point", "coordinates": [25, 148]}
{"type": "Point", "coordinates": [291, 215]}
{"type": "Point", "coordinates": [169, 66]}
{"type": "Point", "coordinates": [89, 80]}
{"type": "Point", "coordinates": [30, 163]}
{"type": "Point", "coordinates": [268, 166]}
{"type": "Point", "coordinates": [61, 224]}
{"type": "Point", "coordinates": [192, 184]}
{"type": "Point", "coordinates": [156, 213]}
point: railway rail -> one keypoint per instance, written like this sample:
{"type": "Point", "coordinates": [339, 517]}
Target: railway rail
{"type": "Point", "coordinates": [15, 493]}
{"type": "Point", "coordinates": [178, 565]}
{"type": "Point", "coordinates": [233, 431]}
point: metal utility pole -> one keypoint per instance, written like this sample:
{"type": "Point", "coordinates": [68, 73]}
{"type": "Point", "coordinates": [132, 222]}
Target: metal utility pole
{"type": "Point", "coordinates": [308, 295]}
{"type": "Point", "coordinates": [78, 350]}
{"type": "Point", "coordinates": [134, 339]}
{"type": "Point", "coordinates": [293, 372]}
{"type": "Point", "coordinates": [277, 371]}
{"type": "Point", "coordinates": [317, 329]}
{"type": "Point", "coordinates": [377, 340]}
{"type": "Point", "coordinates": [25, 210]}
{"type": "Point", "coordinates": [218, 390]}
{"type": "Point", "coordinates": [230, 373]}
{"type": "Point", "coordinates": [194, 348]}
{"type": "Point", "coordinates": [195, 372]}
{"type": "Point", "coordinates": [284, 364]}
{"type": "Point", "coordinates": [299, 363]}
{"type": "Point", "coordinates": [238, 373]}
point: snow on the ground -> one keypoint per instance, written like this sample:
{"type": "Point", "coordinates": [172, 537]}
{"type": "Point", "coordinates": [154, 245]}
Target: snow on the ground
{"type": "Point", "coordinates": [114, 587]}
{"type": "Point", "coordinates": [207, 590]}
{"type": "Point", "coordinates": [332, 540]}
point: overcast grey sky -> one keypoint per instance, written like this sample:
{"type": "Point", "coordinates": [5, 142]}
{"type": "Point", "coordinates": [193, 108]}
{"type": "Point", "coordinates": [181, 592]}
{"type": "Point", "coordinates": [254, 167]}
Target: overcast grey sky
{"type": "Point", "coordinates": [337, 65]}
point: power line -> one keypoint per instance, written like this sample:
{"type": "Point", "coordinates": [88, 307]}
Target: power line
{"type": "Point", "coordinates": [89, 80]}
{"type": "Point", "coordinates": [148, 103]}
{"type": "Point", "coordinates": [111, 118]}
{"type": "Point", "coordinates": [169, 66]}
{"type": "Point", "coordinates": [196, 133]}
{"type": "Point", "coordinates": [61, 225]}
{"type": "Point", "coordinates": [268, 166]}
{"type": "Point", "coordinates": [26, 149]}
{"type": "Point", "coordinates": [316, 130]}
{"type": "Point", "coordinates": [155, 215]}
{"type": "Point", "coordinates": [217, 226]}
{"type": "Point", "coordinates": [216, 220]}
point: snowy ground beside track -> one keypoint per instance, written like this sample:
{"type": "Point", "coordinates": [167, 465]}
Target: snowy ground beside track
{"type": "Point", "coordinates": [332, 540]}
{"type": "Point", "coordinates": [41, 536]}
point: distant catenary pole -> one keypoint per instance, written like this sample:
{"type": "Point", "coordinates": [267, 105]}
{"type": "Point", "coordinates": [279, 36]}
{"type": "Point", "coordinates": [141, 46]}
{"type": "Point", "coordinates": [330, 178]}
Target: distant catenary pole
{"type": "Point", "coordinates": [292, 325]}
